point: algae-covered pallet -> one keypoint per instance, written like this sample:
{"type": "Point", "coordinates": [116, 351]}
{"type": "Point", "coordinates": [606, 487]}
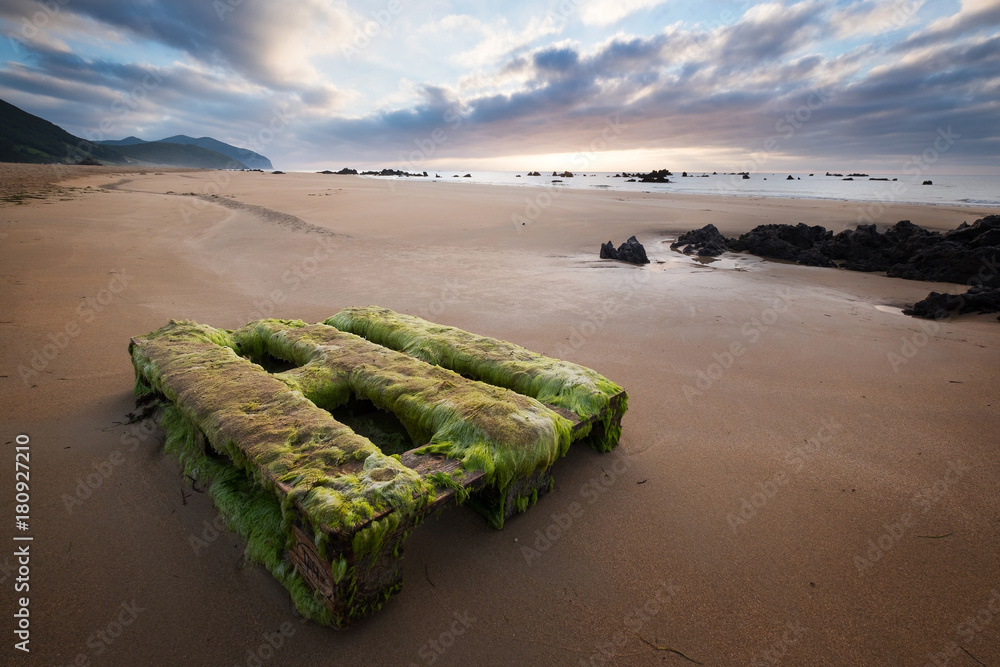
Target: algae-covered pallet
{"type": "Point", "coordinates": [320, 505]}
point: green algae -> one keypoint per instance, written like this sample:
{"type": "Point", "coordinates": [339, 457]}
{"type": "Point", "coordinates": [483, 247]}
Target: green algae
{"type": "Point", "coordinates": [494, 430]}
{"type": "Point", "coordinates": [338, 479]}
{"type": "Point", "coordinates": [247, 508]}
{"type": "Point", "coordinates": [563, 384]}
{"type": "Point", "coordinates": [278, 446]}
{"type": "Point", "coordinates": [277, 458]}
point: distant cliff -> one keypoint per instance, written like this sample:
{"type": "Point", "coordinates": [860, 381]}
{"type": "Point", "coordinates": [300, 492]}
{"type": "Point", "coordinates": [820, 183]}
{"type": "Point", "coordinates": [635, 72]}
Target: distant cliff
{"type": "Point", "coordinates": [28, 138]}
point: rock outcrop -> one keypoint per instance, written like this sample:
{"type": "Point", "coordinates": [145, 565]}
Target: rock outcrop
{"type": "Point", "coordinates": [979, 298]}
{"type": "Point", "coordinates": [967, 254]}
{"type": "Point", "coordinates": [706, 242]}
{"type": "Point", "coordinates": [631, 251]}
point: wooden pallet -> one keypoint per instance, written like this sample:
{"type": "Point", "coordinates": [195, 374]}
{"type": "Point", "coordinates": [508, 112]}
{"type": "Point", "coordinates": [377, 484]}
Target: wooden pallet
{"type": "Point", "coordinates": [264, 423]}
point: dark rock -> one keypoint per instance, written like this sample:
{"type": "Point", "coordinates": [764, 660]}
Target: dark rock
{"type": "Point", "coordinates": [784, 242]}
{"type": "Point", "coordinates": [656, 176]}
{"type": "Point", "coordinates": [467, 176]}
{"type": "Point", "coordinates": [927, 183]}
{"type": "Point", "coordinates": [631, 251]}
{"type": "Point", "coordinates": [383, 172]}
{"type": "Point", "coordinates": [277, 172]}
{"type": "Point", "coordinates": [983, 232]}
{"type": "Point", "coordinates": [707, 242]}
{"type": "Point", "coordinates": [533, 173]}
{"type": "Point", "coordinates": [967, 254]}
{"type": "Point", "coordinates": [979, 298]}
{"type": "Point", "coordinates": [789, 178]}
{"type": "Point", "coordinates": [949, 262]}
{"type": "Point", "coordinates": [746, 177]}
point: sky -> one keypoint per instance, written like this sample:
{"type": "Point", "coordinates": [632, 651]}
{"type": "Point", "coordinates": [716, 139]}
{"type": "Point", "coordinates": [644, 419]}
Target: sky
{"type": "Point", "coordinates": [584, 85]}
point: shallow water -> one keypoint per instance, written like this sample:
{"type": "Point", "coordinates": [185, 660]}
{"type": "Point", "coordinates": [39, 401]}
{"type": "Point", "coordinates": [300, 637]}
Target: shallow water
{"type": "Point", "coordinates": [949, 190]}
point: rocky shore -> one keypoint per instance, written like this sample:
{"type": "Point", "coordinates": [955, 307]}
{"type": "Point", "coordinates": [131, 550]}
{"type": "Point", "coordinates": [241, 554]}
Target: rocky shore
{"type": "Point", "coordinates": [964, 255]}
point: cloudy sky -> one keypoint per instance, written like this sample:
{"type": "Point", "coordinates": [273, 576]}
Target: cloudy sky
{"type": "Point", "coordinates": [551, 84]}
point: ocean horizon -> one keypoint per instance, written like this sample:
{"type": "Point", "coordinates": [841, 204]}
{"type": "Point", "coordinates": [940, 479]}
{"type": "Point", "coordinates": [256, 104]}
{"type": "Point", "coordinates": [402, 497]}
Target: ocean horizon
{"type": "Point", "coordinates": [946, 190]}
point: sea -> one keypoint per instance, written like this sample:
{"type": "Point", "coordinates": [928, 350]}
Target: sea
{"type": "Point", "coordinates": [946, 190]}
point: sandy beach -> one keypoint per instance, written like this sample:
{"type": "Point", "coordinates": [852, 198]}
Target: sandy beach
{"type": "Point", "coordinates": [805, 475]}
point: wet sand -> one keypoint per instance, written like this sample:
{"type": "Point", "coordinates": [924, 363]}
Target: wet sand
{"type": "Point", "coordinates": [805, 476]}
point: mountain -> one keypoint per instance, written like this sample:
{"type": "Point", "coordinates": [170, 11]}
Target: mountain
{"type": "Point", "coordinates": [127, 141]}
{"type": "Point", "coordinates": [177, 155]}
{"type": "Point", "coordinates": [28, 138]}
{"type": "Point", "coordinates": [244, 155]}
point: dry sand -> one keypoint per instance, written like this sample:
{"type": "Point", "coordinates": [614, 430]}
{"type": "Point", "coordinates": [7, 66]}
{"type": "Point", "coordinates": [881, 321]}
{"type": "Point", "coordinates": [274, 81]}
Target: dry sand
{"type": "Point", "coordinates": [729, 527]}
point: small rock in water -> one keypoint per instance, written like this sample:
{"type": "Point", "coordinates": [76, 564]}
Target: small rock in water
{"type": "Point", "coordinates": [706, 242]}
{"type": "Point", "coordinates": [631, 251]}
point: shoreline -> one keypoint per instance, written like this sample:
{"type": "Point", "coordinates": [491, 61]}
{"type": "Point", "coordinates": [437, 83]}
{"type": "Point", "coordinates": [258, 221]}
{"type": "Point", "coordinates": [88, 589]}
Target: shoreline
{"type": "Point", "coordinates": [580, 183]}
{"type": "Point", "coordinates": [790, 446]}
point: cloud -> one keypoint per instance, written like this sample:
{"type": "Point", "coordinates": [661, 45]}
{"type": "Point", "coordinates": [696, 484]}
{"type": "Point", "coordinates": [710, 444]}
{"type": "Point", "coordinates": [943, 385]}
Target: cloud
{"type": "Point", "coordinates": [768, 32]}
{"type": "Point", "coordinates": [608, 12]}
{"type": "Point", "coordinates": [871, 17]}
{"type": "Point", "coordinates": [520, 84]}
{"type": "Point", "coordinates": [267, 43]}
{"type": "Point", "coordinates": [974, 16]}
